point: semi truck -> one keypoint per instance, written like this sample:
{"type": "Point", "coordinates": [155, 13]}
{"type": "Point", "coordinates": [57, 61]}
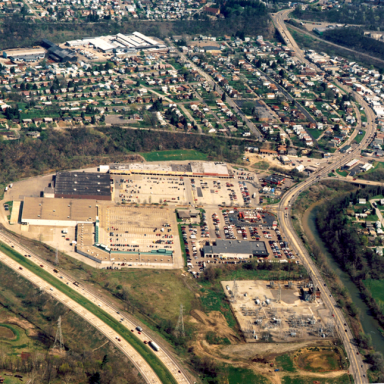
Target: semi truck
{"type": "Point", "coordinates": [154, 346]}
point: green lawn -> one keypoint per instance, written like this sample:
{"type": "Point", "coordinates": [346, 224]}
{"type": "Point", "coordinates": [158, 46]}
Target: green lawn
{"type": "Point", "coordinates": [315, 133]}
{"type": "Point", "coordinates": [358, 138]}
{"type": "Point", "coordinates": [177, 154]}
{"type": "Point", "coordinates": [164, 375]}
{"type": "Point", "coordinates": [342, 173]}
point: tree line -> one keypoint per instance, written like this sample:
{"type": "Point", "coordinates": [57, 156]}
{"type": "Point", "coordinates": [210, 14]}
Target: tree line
{"type": "Point", "coordinates": [354, 38]}
{"type": "Point", "coordinates": [58, 150]}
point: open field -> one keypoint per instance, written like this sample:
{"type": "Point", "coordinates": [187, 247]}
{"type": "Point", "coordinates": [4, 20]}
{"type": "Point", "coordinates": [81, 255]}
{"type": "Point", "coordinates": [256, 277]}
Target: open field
{"type": "Point", "coordinates": [8, 332]}
{"type": "Point", "coordinates": [162, 372]}
{"type": "Point", "coordinates": [286, 363]}
{"type": "Point", "coordinates": [177, 154]}
{"type": "Point", "coordinates": [343, 379]}
{"type": "Point", "coordinates": [319, 360]}
{"type": "Point", "coordinates": [262, 165]}
{"type": "Point", "coordinates": [240, 376]}
{"type": "Point", "coordinates": [376, 287]}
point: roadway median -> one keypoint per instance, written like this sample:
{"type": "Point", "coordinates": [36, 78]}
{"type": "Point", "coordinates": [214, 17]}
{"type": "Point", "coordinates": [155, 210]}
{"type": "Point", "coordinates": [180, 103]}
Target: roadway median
{"type": "Point", "coordinates": [158, 367]}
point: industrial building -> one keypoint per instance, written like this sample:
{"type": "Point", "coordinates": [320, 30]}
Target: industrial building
{"type": "Point", "coordinates": [58, 54]}
{"type": "Point", "coordinates": [134, 42]}
{"type": "Point", "coordinates": [192, 169]}
{"type": "Point", "coordinates": [24, 55]}
{"type": "Point", "coordinates": [57, 212]}
{"type": "Point", "coordinates": [230, 249]}
{"type": "Point", "coordinates": [83, 185]}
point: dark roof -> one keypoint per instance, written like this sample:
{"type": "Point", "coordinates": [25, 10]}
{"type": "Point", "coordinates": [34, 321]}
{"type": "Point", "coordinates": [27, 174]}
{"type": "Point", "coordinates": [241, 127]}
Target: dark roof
{"type": "Point", "coordinates": [211, 48]}
{"type": "Point", "coordinates": [82, 183]}
{"type": "Point", "coordinates": [47, 43]}
{"type": "Point", "coordinates": [254, 248]}
{"type": "Point", "coordinates": [275, 178]}
{"type": "Point", "coordinates": [345, 148]}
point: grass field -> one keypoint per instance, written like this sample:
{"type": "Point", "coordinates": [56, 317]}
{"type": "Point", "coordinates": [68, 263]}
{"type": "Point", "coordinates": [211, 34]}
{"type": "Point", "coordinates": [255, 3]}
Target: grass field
{"type": "Point", "coordinates": [263, 165]}
{"type": "Point", "coordinates": [177, 154]}
{"type": "Point", "coordinates": [358, 138]}
{"type": "Point", "coordinates": [343, 379]}
{"type": "Point", "coordinates": [315, 133]}
{"type": "Point", "coordinates": [341, 173]}
{"type": "Point", "coordinates": [164, 375]}
{"type": "Point", "coordinates": [242, 376]}
{"type": "Point", "coordinates": [376, 287]}
{"type": "Point", "coordinates": [7, 332]}
{"type": "Point", "coordinates": [286, 363]}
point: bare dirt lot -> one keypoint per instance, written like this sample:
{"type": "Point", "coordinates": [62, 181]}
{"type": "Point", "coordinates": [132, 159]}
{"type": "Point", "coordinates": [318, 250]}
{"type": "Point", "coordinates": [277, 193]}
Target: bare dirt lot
{"type": "Point", "coordinates": [319, 360]}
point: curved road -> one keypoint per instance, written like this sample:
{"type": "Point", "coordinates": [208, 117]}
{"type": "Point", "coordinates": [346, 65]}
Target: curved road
{"type": "Point", "coordinates": [144, 368]}
{"type": "Point", "coordinates": [357, 367]}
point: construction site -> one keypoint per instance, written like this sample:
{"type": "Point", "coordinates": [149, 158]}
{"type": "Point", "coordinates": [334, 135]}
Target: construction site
{"type": "Point", "coordinates": [278, 311]}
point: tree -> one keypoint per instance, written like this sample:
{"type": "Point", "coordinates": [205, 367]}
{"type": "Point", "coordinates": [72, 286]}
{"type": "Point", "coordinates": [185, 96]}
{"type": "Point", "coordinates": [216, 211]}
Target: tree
{"type": "Point", "coordinates": [93, 119]}
{"type": "Point", "coordinates": [377, 361]}
{"type": "Point", "coordinates": [105, 361]}
{"type": "Point", "coordinates": [223, 97]}
{"type": "Point", "coordinates": [95, 378]}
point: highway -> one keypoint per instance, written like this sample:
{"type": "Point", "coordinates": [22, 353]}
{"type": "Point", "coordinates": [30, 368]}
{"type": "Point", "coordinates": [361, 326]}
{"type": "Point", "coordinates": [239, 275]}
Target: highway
{"type": "Point", "coordinates": [144, 368]}
{"type": "Point", "coordinates": [357, 367]}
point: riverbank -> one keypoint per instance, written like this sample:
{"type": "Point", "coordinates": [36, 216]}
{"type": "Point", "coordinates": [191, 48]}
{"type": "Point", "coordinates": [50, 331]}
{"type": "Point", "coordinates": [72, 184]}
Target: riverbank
{"type": "Point", "coordinates": [346, 290]}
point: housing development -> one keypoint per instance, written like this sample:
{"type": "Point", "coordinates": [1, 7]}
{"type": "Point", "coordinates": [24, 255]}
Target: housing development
{"type": "Point", "coordinates": [187, 207]}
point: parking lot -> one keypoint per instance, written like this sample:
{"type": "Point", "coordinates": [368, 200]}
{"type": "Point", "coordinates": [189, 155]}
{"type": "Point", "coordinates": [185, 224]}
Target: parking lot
{"type": "Point", "coordinates": [250, 225]}
{"type": "Point", "coordinates": [151, 189]}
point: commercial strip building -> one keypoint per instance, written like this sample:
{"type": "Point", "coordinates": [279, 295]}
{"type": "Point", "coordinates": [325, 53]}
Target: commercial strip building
{"type": "Point", "coordinates": [230, 249]}
{"type": "Point", "coordinates": [192, 169]}
{"type": "Point", "coordinates": [83, 185]}
{"type": "Point", "coordinates": [87, 244]}
{"type": "Point", "coordinates": [57, 212]}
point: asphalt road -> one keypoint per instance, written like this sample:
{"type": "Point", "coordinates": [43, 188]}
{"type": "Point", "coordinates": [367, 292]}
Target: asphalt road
{"type": "Point", "coordinates": [357, 368]}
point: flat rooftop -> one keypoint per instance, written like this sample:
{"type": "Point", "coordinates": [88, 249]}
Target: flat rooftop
{"type": "Point", "coordinates": [40, 208]}
{"type": "Point", "coordinates": [82, 184]}
{"type": "Point", "coordinates": [196, 168]}
{"type": "Point", "coordinates": [223, 247]}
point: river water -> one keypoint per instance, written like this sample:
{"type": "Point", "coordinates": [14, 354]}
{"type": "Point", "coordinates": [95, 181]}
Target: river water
{"type": "Point", "coordinates": [370, 325]}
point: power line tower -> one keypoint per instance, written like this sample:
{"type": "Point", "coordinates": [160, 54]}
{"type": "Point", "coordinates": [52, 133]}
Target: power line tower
{"type": "Point", "coordinates": [59, 342]}
{"type": "Point", "coordinates": [180, 332]}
